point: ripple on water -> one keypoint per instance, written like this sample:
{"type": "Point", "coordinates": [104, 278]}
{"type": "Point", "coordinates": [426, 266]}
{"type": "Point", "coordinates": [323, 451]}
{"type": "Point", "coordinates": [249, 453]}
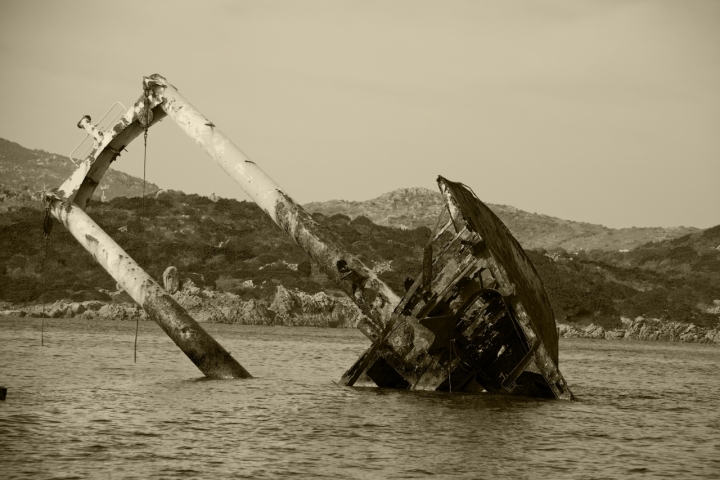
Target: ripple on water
{"type": "Point", "coordinates": [80, 406]}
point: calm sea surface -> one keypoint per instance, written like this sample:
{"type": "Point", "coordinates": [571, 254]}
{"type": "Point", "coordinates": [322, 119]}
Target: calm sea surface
{"type": "Point", "coordinates": [80, 408]}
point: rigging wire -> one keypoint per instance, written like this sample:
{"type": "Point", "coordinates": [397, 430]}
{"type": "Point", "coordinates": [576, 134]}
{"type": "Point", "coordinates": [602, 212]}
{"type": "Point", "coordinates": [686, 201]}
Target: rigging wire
{"type": "Point", "coordinates": [47, 228]}
{"type": "Point", "coordinates": [142, 210]}
{"type": "Point", "coordinates": [452, 344]}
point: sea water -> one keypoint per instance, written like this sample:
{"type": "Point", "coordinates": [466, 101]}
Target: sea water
{"type": "Point", "coordinates": [80, 408]}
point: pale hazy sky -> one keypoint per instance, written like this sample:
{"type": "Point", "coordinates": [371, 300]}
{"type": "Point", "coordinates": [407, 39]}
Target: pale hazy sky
{"type": "Point", "coordinates": [599, 111]}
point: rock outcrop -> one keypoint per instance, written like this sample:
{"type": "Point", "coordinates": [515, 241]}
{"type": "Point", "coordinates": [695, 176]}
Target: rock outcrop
{"type": "Point", "coordinates": [646, 329]}
{"type": "Point", "coordinates": [287, 307]}
{"type": "Point", "coordinates": [171, 280]}
{"type": "Point", "coordinates": [294, 308]}
{"type": "Point", "coordinates": [91, 309]}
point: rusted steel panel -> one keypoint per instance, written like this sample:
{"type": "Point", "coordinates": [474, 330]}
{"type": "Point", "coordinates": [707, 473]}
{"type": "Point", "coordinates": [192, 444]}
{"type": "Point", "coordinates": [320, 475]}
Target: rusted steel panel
{"type": "Point", "coordinates": [464, 326]}
{"type": "Point", "coordinates": [206, 353]}
{"type": "Point", "coordinates": [512, 260]}
{"type": "Point", "coordinates": [370, 294]}
{"type": "Point", "coordinates": [354, 373]}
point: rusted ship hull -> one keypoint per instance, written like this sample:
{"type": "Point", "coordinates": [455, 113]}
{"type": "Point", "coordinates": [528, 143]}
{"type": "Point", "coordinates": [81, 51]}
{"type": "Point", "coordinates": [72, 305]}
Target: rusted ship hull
{"type": "Point", "coordinates": [477, 319]}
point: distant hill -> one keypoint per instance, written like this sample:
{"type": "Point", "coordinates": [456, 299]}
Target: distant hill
{"type": "Point", "coordinates": [24, 171]}
{"type": "Point", "coordinates": [414, 207]}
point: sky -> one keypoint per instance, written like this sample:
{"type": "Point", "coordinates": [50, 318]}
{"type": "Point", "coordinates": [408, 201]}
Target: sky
{"type": "Point", "coordinates": [598, 111]}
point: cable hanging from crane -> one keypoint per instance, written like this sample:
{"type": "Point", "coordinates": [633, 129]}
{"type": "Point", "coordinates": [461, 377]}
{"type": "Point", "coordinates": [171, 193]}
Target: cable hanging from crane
{"type": "Point", "coordinates": [142, 208]}
{"type": "Point", "coordinates": [47, 229]}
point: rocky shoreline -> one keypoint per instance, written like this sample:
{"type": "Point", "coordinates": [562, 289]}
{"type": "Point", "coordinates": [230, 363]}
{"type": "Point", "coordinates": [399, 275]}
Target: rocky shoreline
{"type": "Point", "coordinates": [645, 329]}
{"type": "Point", "coordinates": [295, 308]}
{"type": "Point", "coordinates": [291, 308]}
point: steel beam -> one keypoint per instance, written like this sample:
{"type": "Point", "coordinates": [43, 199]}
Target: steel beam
{"type": "Point", "coordinates": [372, 295]}
{"type": "Point", "coordinates": [206, 353]}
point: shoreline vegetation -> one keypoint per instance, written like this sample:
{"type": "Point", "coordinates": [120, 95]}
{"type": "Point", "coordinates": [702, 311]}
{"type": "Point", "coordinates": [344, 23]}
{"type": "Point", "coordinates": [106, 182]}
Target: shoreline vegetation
{"type": "Point", "coordinates": [295, 308]}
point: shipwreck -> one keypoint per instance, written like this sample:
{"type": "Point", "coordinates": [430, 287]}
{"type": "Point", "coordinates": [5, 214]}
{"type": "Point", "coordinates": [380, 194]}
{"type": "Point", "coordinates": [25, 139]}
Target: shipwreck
{"type": "Point", "coordinates": [477, 319]}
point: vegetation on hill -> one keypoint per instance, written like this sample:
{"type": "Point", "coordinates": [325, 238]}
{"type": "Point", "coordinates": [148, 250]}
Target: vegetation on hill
{"type": "Point", "coordinates": [222, 243]}
{"type": "Point", "coordinates": [599, 287]}
{"type": "Point", "coordinates": [225, 244]}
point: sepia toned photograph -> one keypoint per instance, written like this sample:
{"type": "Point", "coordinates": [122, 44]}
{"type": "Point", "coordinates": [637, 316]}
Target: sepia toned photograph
{"type": "Point", "coordinates": [359, 239]}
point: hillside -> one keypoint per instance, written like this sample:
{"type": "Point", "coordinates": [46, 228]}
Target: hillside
{"type": "Point", "coordinates": [675, 279]}
{"type": "Point", "coordinates": [415, 207]}
{"type": "Point", "coordinates": [23, 172]}
{"type": "Point", "coordinates": [232, 246]}
{"type": "Point", "coordinates": [222, 243]}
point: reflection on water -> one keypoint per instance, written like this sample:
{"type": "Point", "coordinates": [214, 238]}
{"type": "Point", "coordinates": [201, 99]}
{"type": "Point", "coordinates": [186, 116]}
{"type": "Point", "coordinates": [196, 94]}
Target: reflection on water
{"type": "Point", "coordinates": [80, 408]}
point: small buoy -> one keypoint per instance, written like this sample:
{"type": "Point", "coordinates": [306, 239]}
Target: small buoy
{"type": "Point", "coordinates": [3, 392]}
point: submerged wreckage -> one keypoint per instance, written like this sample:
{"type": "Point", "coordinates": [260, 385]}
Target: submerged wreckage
{"type": "Point", "coordinates": [477, 318]}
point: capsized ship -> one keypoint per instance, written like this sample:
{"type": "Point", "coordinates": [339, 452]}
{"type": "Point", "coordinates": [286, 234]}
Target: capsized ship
{"type": "Point", "coordinates": [476, 320]}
